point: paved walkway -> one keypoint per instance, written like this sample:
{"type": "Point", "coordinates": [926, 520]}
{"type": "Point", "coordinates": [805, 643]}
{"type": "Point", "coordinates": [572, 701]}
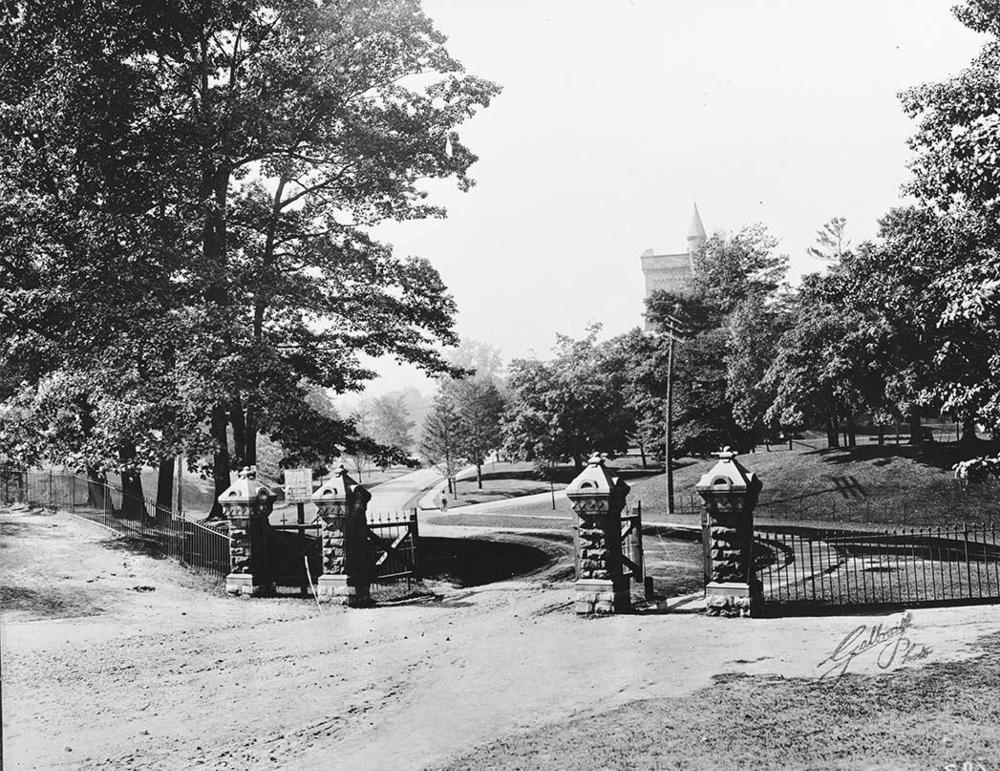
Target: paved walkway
{"type": "Point", "coordinates": [432, 501]}
{"type": "Point", "coordinates": [396, 494]}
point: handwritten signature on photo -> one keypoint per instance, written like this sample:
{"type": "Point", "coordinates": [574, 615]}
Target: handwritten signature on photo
{"type": "Point", "coordinates": [891, 646]}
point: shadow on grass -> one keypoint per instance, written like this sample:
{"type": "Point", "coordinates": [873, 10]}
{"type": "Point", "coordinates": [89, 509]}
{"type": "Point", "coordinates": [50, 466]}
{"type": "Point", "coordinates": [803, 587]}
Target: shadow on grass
{"type": "Point", "coordinates": [939, 455]}
{"type": "Point", "coordinates": [473, 562]}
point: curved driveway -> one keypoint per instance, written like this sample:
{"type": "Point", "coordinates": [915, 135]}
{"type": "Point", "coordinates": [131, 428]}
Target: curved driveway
{"type": "Point", "coordinates": [394, 495]}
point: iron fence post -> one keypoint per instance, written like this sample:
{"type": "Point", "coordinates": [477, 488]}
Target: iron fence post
{"type": "Point", "coordinates": [415, 537]}
{"type": "Point", "coordinates": [968, 567]}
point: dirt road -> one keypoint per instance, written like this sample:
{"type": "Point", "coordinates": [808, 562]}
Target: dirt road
{"type": "Point", "coordinates": [117, 661]}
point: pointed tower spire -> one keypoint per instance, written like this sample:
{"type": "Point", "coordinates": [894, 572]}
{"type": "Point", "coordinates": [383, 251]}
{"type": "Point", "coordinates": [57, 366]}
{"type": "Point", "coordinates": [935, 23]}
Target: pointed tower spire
{"type": "Point", "coordinates": [696, 231]}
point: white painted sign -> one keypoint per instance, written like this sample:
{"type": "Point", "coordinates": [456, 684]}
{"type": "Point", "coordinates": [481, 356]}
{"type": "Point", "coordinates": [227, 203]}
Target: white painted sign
{"type": "Point", "coordinates": [298, 485]}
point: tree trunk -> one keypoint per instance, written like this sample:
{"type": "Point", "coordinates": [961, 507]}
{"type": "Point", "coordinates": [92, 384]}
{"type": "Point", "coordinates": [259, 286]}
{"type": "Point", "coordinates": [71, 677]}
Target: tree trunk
{"type": "Point", "coordinates": [237, 421]}
{"type": "Point", "coordinates": [881, 436]}
{"type": "Point", "coordinates": [642, 454]}
{"type": "Point", "coordinates": [832, 432]}
{"type": "Point", "coordinates": [97, 490]}
{"type": "Point", "coordinates": [220, 462]}
{"type": "Point", "coordinates": [916, 432]}
{"type": "Point", "coordinates": [479, 474]}
{"type": "Point", "coordinates": [133, 500]}
{"type": "Point", "coordinates": [165, 487]}
{"type": "Point", "coordinates": [250, 440]}
{"type": "Point", "coordinates": [852, 431]}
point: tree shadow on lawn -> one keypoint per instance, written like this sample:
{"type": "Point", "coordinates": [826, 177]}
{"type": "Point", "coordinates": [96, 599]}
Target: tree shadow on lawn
{"type": "Point", "coordinates": [474, 562]}
{"type": "Point", "coordinates": [939, 455]}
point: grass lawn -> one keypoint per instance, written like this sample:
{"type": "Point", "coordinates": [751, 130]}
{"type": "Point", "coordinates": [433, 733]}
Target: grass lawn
{"type": "Point", "coordinates": [939, 716]}
{"type": "Point", "coordinates": [674, 560]}
{"type": "Point", "coordinates": [503, 520]}
{"type": "Point", "coordinates": [891, 485]}
{"type": "Point", "coordinates": [508, 480]}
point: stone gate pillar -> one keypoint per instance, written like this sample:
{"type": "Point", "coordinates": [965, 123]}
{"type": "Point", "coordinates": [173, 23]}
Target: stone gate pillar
{"type": "Point", "coordinates": [247, 505]}
{"type": "Point", "coordinates": [342, 504]}
{"type": "Point", "coordinates": [598, 498]}
{"type": "Point", "coordinates": [729, 493]}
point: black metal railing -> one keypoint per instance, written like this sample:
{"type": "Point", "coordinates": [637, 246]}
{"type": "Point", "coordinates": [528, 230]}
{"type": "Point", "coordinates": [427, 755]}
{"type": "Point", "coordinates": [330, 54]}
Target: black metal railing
{"type": "Point", "coordinates": [140, 520]}
{"type": "Point", "coordinates": [902, 567]}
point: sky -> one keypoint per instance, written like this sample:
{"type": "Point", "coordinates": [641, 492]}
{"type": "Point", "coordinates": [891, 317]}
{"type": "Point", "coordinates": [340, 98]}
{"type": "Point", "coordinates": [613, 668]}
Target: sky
{"type": "Point", "coordinates": [617, 115]}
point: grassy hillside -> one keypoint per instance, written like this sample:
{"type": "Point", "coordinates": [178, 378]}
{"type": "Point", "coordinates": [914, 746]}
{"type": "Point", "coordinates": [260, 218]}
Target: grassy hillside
{"type": "Point", "coordinates": [897, 485]}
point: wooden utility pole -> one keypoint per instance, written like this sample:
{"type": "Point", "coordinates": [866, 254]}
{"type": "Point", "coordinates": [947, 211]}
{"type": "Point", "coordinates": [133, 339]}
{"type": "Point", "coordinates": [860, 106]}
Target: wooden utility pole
{"type": "Point", "coordinates": [675, 331]}
{"type": "Point", "coordinates": [668, 421]}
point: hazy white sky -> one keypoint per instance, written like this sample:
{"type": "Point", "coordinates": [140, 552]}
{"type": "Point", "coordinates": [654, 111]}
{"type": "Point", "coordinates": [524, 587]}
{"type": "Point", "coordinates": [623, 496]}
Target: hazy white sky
{"type": "Point", "coordinates": [616, 115]}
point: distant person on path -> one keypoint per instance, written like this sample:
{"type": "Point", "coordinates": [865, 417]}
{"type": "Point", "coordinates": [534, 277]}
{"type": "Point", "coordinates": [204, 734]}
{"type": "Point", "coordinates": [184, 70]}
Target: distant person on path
{"type": "Point", "coordinates": [444, 502]}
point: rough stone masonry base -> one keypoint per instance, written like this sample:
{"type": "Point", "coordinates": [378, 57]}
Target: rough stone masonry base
{"type": "Point", "coordinates": [337, 589]}
{"type": "Point", "coordinates": [601, 597]}
{"type": "Point", "coordinates": [730, 599]}
{"type": "Point", "coordinates": [241, 584]}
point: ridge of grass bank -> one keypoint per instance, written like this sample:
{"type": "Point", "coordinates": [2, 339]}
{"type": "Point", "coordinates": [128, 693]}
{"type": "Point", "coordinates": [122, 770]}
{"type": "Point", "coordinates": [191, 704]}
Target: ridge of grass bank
{"type": "Point", "coordinates": [892, 485]}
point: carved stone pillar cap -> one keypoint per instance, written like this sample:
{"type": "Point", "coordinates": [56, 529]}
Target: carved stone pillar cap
{"type": "Point", "coordinates": [596, 480]}
{"type": "Point", "coordinates": [340, 487]}
{"type": "Point", "coordinates": [246, 489]}
{"type": "Point", "coordinates": [728, 476]}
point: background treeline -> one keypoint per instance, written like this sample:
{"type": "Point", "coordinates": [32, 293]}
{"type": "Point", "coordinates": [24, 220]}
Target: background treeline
{"type": "Point", "coordinates": [901, 327]}
{"type": "Point", "coordinates": [897, 329]}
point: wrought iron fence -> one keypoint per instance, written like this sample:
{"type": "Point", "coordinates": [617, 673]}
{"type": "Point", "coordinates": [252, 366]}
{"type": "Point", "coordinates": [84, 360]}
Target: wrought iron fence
{"type": "Point", "coordinates": [959, 563]}
{"type": "Point", "coordinates": [139, 519]}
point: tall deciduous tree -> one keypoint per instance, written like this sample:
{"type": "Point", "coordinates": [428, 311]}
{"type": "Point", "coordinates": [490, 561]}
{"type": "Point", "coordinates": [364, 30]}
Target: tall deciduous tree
{"type": "Point", "coordinates": [479, 406]}
{"type": "Point", "coordinates": [482, 360]}
{"type": "Point", "coordinates": [390, 422]}
{"type": "Point", "coordinates": [956, 171]}
{"type": "Point", "coordinates": [569, 407]}
{"type": "Point", "coordinates": [731, 323]}
{"type": "Point", "coordinates": [728, 269]}
{"type": "Point", "coordinates": [241, 150]}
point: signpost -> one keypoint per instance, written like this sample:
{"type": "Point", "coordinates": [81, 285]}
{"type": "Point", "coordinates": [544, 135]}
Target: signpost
{"type": "Point", "coordinates": [298, 485]}
{"type": "Point", "coordinates": [298, 490]}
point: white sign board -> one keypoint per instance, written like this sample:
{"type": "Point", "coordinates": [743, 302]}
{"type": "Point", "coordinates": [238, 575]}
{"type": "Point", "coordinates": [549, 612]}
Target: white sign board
{"type": "Point", "coordinates": [298, 485]}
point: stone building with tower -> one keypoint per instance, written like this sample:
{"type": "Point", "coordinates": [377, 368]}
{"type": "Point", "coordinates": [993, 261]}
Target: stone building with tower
{"type": "Point", "coordinates": [674, 272]}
